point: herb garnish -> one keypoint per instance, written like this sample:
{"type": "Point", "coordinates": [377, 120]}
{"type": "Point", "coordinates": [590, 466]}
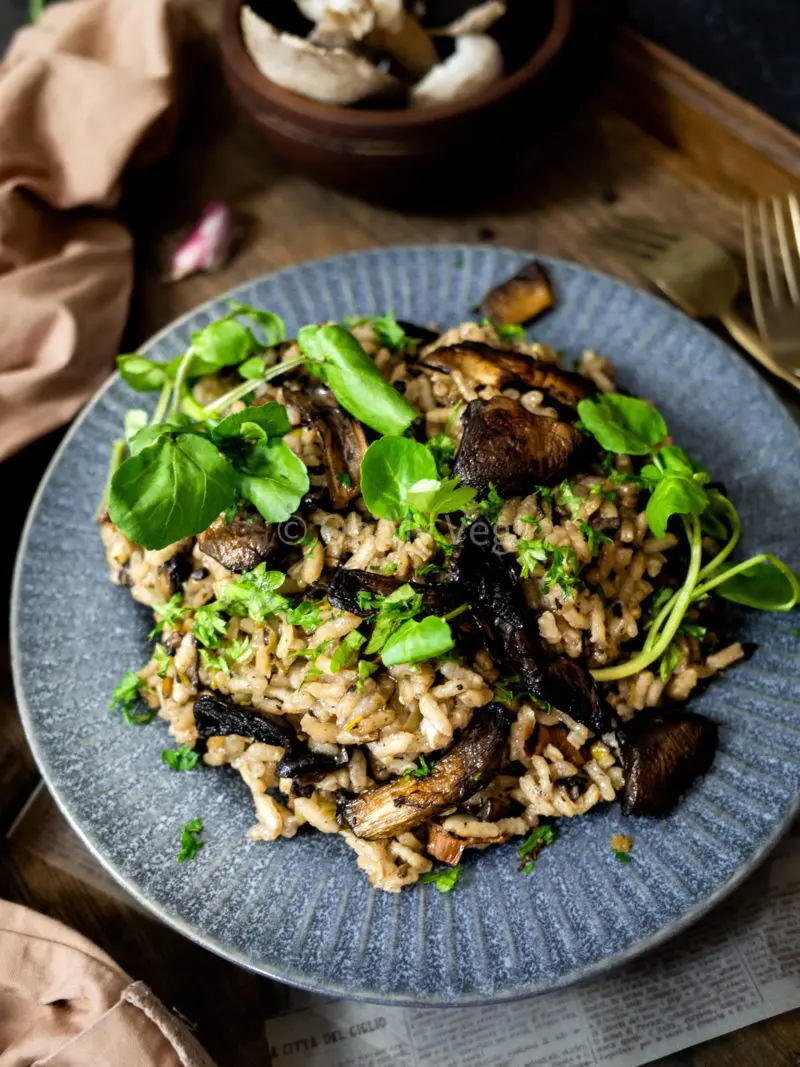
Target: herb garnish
{"type": "Point", "coordinates": [443, 880]}
{"type": "Point", "coordinates": [127, 695]}
{"type": "Point", "coordinates": [345, 655]}
{"type": "Point", "coordinates": [162, 659]}
{"type": "Point", "coordinates": [506, 333]}
{"type": "Point", "coordinates": [529, 850]}
{"type": "Point", "coordinates": [491, 506]}
{"type": "Point", "coordinates": [190, 840]}
{"type": "Point", "coordinates": [180, 759]}
{"type": "Point", "coordinates": [562, 570]}
{"type": "Point", "coordinates": [306, 614]}
{"type": "Point", "coordinates": [421, 771]}
{"type": "Point", "coordinates": [680, 487]}
{"type": "Point", "coordinates": [168, 614]}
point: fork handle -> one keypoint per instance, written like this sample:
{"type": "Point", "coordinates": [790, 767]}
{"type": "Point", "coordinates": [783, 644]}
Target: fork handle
{"type": "Point", "coordinates": [747, 337]}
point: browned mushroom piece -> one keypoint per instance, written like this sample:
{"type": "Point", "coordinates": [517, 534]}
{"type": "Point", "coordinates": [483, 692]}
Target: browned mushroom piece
{"type": "Point", "coordinates": [519, 299]}
{"type": "Point", "coordinates": [347, 583]}
{"type": "Point", "coordinates": [485, 365]}
{"type": "Point", "coordinates": [240, 544]}
{"type": "Point", "coordinates": [469, 766]}
{"type": "Point", "coordinates": [343, 443]}
{"type": "Point", "coordinates": [662, 754]}
{"type": "Point", "coordinates": [557, 737]}
{"type": "Point", "coordinates": [508, 447]}
{"type": "Point", "coordinates": [448, 848]}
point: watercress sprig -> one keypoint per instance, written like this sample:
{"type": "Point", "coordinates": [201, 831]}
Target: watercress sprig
{"type": "Point", "coordinates": [680, 487]}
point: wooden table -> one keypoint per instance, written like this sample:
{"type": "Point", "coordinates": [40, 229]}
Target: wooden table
{"type": "Point", "coordinates": [598, 164]}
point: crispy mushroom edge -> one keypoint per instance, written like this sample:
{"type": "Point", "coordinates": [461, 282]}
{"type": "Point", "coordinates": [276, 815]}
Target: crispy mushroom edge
{"type": "Point", "coordinates": [521, 298]}
{"type": "Point", "coordinates": [468, 766]}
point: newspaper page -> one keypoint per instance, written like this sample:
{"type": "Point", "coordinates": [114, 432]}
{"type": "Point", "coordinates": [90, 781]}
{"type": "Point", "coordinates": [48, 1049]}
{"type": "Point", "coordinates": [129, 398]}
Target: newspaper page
{"type": "Point", "coordinates": [735, 967]}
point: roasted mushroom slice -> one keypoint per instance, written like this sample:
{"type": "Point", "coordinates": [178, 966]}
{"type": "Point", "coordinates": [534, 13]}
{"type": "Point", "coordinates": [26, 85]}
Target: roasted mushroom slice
{"type": "Point", "coordinates": [519, 299]}
{"type": "Point", "coordinates": [485, 365]}
{"type": "Point", "coordinates": [469, 766]}
{"type": "Point", "coordinates": [347, 584]}
{"type": "Point", "coordinates": [487, 578]}
{"type": "Point", "coordinates": [216, 716]}
{"type": "Point", "coordinates": [448, 848]}
{"type": "Point", "coordinates": [662, 754]}
{"type": "Point", "coordinates": [305, 764]}
{"type": "Point", "coordinates": [240, 544]}
{"type": "Point", "coordinates": [508, 447]}
{"type": "Point", "coordinates": [343, 443]}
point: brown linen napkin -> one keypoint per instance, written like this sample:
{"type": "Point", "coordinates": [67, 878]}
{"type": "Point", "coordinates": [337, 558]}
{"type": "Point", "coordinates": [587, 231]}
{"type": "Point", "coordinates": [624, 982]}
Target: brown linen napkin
{"type": "Point", "coordinates": [64, 1003]}
{"type": "Point", "coordinates": [84, 92]}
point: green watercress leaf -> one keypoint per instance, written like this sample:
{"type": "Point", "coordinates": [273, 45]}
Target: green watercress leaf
{"type": "Point", "coordinates": [669, 661]}
{"type": "Point", "coordinates": [272, 326]}
{"type": "Point", "coordinates": [393, 610]}
{"type": "Point", "coordinates": [390, 468]}
{"type": "Point", "coordinates": [433, 497]}
{"type": "Point", "coordinates": [271, 418]}
{"type": "Point", "coordinates": [415, 642]}
{"type": "Point", "coordinates": [622, 424]}
{"type": "Point", "coordinates": [225, 343]}
{"type": "Point", "coordinates": [675, 494]}
{"type": "Point", "coordinates": [253, 368]}
{"type": "Point", "coordinates": [143, 374]}
{"type": "Point", "coordinates": [273, 478]}
{"type": "Point", "coordinates": [338, 359]}
{"type": "Point", "coordinates": [135, 420]}
{"type": "Point", "coordinates": [390, 333]}
{"type": "Point", "coordinates": [172, 489]}
{"type": "Point", "coordinates": [768, 585]}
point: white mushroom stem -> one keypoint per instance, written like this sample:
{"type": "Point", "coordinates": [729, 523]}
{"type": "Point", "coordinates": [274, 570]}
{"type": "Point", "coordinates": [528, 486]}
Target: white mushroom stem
{"type": "Point", "coordinates": [476, 20]}
{"type": "Point", "coordinates": [476, 64]}
{"type": "Point", "coordinates": [332, 76]}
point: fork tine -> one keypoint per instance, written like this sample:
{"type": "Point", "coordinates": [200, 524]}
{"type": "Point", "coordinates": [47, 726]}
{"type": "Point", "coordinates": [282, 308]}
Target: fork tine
{"type": "Point", "coordinates": [628, 243]}
{"type": "Point", "coordinates": [785, 250]}
{"type": "Point", "coordinates": [769, 257]}
{"type": "Point", "coordinates": [753, 280]}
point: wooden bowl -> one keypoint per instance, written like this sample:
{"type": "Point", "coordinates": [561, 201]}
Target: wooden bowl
{"type": "Point", "coordinates": [385, 153]}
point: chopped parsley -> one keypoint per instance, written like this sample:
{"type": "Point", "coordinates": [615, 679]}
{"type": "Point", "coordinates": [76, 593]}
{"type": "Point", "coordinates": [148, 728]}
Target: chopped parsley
{"type": "Point", "coordinates": [795, 631]}
{"type": "Point", "coordinates": [253, 594]}
{"type": "Point", "coordinates": [180, 759]}
{"type": "Point", "coordinates": [365, 668]}
{"type": "Point", "coordinates": [595, 539]}
{"type": "Point", "coordinates": [239, 649]}
{"type": "Point", "coordinates": [214, 663]}
{"type": "Point", "coordinates": [428, 568]}
{"type": "Point", "coordinates": [443, 880]}
{"type": "Point", "coordinates": [345, 479]}
{"type": "Point", "coordinates": [623, 857]}
{"type": "Point", "coordinates": [443, 448]}
{"type": "Point", "coordinates": [126, 696]}
{"type": "Point", "coordinates": [567, 498]}
{"type": "Point", "coordinates": [167, 614]}
{"type": "Point", "coordinates": [421, 771]}
{"type": "Point", "coordinates": [306, 614]}
{"type": "Point", "coordinates": [529, 850]}
{"type": "Point", "coordinates": [507, 689]}
{"type": "Point", "coordinates": [491, 506]}
{"type": "Point", "coordinates": [506, 333]}
{"type": "Point", "coordinates": [392, 611]}
{"type": "Point", "coordinates": [621, 845]}
{"type": "Point", "coordinates": [692, 629]}
{"type": "Point", "coordinates": [563, 566]}
{"type": "Point", "coordinates": [208, 625]}
{"type": "Point", "coordinates": [390, 333]}
{"type": "Point", "coordinates": [162, 659]}
{"type": "Point", "coordinates": [190, 840]}
{"type": "Point", "coordinates": [347, 651]}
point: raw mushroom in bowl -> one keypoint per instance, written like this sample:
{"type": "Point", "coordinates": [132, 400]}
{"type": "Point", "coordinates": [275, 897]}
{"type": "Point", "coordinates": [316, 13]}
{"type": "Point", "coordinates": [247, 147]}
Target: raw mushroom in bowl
{"type": "Point", "coordinates": [358, 51]}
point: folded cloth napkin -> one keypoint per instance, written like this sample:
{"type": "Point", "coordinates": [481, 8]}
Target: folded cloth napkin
{"type": "Point", "coordinates": [84, 92]}
{"type": "Point", "coordinates": [64, 1003]}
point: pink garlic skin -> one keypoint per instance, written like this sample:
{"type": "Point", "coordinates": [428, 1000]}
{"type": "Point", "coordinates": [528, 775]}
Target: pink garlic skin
{"type": "Point", "coordinates": [208, 245]}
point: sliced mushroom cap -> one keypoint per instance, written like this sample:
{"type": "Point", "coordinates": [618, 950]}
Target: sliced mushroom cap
{"type": "Point", "coordinates": [476, 63]}
{"type": "Point", "coordinates": [340, 21]}
{"type": "Point", "coordinates": [347, 583]}
{"type": "Point", "coordinates": [469, 766]}
{"type": "Point", "coordinates": [506, 446]}
{"type": "Point", "coordinates": [217, 716]}
{"type": "Point", "coordinates": [662, 754]}
{"type": "Point", "coordinates": [343, 443]}
{"type": "Point", "coordinates": [521, 298]}
{"type": "Point", "coordinates": [448, 848]}
{"type": "Point", "coordinates": [241, 544]}
{"type": "Point", "coordinates": [472, 19]}
{"type": "Point", "coordinates": [488, 579]}
{"type": "Point", "coordinates": [485, 365]}
{"type": "Point", "coordinates": [332, 76]}
{"type": "Point", "coordinates": [304, 764]}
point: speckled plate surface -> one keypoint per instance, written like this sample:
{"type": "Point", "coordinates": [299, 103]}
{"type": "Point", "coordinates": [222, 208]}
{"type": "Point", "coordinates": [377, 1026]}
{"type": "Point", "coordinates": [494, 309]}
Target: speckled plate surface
{"type": "Point", "coordinates": [300, 910]}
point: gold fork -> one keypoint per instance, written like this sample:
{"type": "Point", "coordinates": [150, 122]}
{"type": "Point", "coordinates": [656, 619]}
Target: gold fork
{"type": "Point", "coordinates": [695, 273]}
{"type": "Point", "coordinates": [777, 312]}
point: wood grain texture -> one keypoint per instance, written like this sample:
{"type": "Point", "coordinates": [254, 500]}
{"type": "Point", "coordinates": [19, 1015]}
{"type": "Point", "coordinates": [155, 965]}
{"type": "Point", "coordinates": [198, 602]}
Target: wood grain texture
{"type": "Point", "coordinates": [703, 150]}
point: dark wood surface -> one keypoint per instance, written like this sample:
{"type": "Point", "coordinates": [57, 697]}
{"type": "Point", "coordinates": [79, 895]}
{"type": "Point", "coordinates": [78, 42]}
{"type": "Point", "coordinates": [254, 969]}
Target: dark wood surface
{"type": "Point", "coordinates": [595, 164]}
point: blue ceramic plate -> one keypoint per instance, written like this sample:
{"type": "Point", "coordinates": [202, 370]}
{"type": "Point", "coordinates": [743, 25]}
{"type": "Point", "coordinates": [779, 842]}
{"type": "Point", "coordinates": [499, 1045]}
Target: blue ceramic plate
{"type": "Point", "coordinates": [299, 910]}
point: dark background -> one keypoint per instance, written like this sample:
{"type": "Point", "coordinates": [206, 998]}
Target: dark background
{"type": "Point", "coordinates": [751, 46]}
